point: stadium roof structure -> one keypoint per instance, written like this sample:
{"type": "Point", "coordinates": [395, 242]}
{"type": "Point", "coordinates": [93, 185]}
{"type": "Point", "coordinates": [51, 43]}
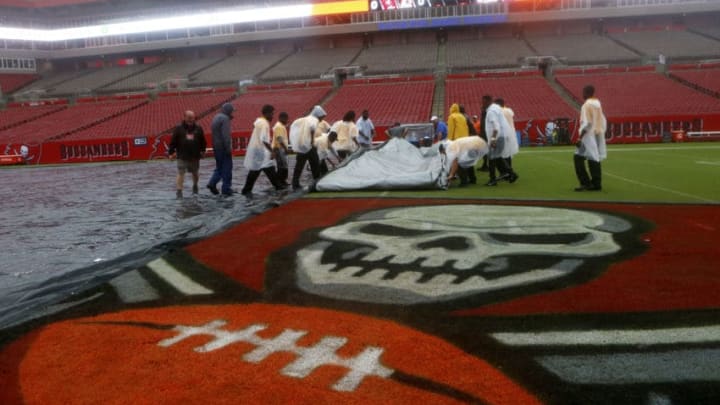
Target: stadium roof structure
{"type": "Point", "coordinates": [44, 3]}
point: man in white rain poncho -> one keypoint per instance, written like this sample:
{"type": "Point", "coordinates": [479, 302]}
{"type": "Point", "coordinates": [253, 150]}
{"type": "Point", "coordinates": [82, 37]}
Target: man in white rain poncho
{"type": "Point", "coordinates": [347, 135]}
{"type": "Point", "coordinates": [464, 153]}
{"type": "Point", "coordinates": [324, 144]}
{"type": "Point", "coordinates": [509, 115]}
{"type": "Point", "coordinates": [302, 133]}
{"type": "Point", "coordinates": [501, 147]}
{"type": "Point", "coordinates": [591, 145]}
{"type": "Point", "coordinates": [259, 156]}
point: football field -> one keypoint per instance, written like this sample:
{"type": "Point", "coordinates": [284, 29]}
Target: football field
{"type": "Point", "coordinates": [670, 173]}
{"type": "Point", "coordinates": [523, 293]}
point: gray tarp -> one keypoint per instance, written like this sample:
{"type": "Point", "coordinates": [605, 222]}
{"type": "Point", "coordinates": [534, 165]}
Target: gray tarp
{"type": "Point", "coordinates": [396, 164]}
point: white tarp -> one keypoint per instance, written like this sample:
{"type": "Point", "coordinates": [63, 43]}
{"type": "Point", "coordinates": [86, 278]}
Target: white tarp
{"type": "Point", "coordinates": [396, 164]}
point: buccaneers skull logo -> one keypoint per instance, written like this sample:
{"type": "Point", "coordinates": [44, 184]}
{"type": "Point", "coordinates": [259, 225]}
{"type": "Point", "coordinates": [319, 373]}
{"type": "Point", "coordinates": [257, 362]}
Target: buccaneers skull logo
{"type": "Point", "coordinates": [436, 254]}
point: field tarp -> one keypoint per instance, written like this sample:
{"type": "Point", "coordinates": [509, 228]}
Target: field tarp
{"type": "Point", "coordinates": [394, 165]}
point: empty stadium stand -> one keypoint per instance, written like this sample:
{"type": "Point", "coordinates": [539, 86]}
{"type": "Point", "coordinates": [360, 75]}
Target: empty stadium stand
{"type": "Point", "coordinates": [152, 78]}
{"type": "Point", "coordinates": [711, 31]}
{"type": "Point", "coordinates": [707, 80]}
{"type": "Point", "coordinates": [311, 63]}
{"type": "Point", "coordinates": [96, 79]}
{"type": "Point", "coordinates": [387, 103]}
{"type": "Point", "coordinates": [18, 115]}
{"type": "Point", "coordinates": [486, 53]}
{"type": "Point", "coordinates": [530, 97]}
{"type": "Point", "coordinates": [49, 81]}
{"type": "Point", "coordinates": [66, 121]}
{"type": "Point", "coordinates": [672, 44]}
{"type": "Point", "coordinates": [154, 118]}
{"type": "Point", "coordinates": [234, 68]}
{"type": "Point", "coordinates": [295, 101]}
{"type": "Point", "coordinates": [641, 94]}
{"type": "Point", "coordinates": [10, 82]}
{"type": "Point", "coordinates": [401, 58]}
{"type": "Point", "coordinates": [583, 49]}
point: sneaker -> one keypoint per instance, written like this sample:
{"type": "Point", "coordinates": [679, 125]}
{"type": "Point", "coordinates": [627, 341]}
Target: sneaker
{"type": "Point", "coordinates": [178, 195]}
{"type": "Point", "coordinates": [195, 189]}
{"type": "Point", "coordinates": [491, 183]}
{"type": "Point", "coordinates": [213, 189]}
{"type": "Point", "coordinates": [504, 177]}
{"type": "Point", "coordinates": [513, 178]}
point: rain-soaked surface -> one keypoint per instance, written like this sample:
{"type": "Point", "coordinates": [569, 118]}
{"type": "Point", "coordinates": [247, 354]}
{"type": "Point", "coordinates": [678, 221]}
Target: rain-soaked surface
{"type": "Point", "coordinates": [66, 228]}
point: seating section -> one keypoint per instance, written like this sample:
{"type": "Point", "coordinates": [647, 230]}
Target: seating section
{"type": "Point", "coordinates": [295, 102]}
{"type": "Point", "coordinates": [706, 79]}
{"type": "Point", "coordinates": [71, 119]}
{"type": "Point", "coordinates": [672, 44]}
{"type": "Point", "coordinates": [486, 53]}
{"type": "Point", "coordinates": [399, 58]}
{"type": "Point", "coordinates": [153, 118]}
{"type": "Point", "coordinates": [17, 115]}
{"type": "Point", "coordinates": [710, 31]}
{"type": "Point", "coordinates": [310, 64]}
{"type": "Point", "coordinates": [529, 97]}
{"type": "Point", "coordinates": [235, 68]}
{"type": "Point", "coordinates": [47, 83]}
{"type": "Point", "coordinates": [641, 94]}
{"type": "Point", "coordinates": [387, 102]}
{"type": "Point", "coordinates": [96, 79]}
{"type": "Point", "coordinates": [10, 82]}
{"type": "Point", "coordinates": [583, 48]}
{"type": "Point", "coordinates": [152, 78]}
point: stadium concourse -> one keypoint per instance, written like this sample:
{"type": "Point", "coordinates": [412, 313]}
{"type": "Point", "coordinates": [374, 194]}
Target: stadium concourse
{"type": "Point", "coordinates": [114, 291]}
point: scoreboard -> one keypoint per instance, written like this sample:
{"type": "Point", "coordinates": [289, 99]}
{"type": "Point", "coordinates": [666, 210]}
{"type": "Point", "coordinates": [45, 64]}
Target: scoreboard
{"type": "Point", "coordinates": [376, 5]}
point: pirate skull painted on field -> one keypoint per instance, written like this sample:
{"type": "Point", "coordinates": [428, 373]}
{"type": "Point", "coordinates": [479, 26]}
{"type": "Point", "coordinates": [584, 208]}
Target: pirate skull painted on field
{"type": "Point", "coordinates": [432, 254]}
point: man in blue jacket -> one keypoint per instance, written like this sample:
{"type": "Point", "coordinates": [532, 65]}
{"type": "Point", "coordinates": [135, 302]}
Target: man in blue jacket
{"type": "Point", "coordinates": [222, 148]}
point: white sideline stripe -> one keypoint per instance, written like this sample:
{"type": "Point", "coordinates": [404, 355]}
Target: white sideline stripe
{"type": "Point", "coordinates": [178, 280]}
{"type": "Point", "coordinates": [640, 183]}
{"type": "Point", "coordinates": [132, 287]}
{"type": "Point", "coordinates": [544, 149]}
{"type": "Point", "coordinates": [636, 368]}
{"type": "Point", "coordinates": [699, 334]}
{"type": "Point", "coordinates": [667, 190]}
{"type": "Point", "coordinates": [703, 162]}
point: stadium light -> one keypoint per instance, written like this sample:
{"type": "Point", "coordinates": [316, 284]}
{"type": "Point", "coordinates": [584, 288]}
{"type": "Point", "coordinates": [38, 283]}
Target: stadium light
{"type": "Point", "coordinates": [225, 17]}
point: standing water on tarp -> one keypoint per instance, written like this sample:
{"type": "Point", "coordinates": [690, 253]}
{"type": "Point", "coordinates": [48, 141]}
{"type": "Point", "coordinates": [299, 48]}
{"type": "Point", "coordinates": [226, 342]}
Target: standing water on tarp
{"type": "Point", "coordinates": [64, 227]}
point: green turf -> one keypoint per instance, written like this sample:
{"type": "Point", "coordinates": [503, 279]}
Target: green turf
{"type": "Point", "coordinates": [674, 173]}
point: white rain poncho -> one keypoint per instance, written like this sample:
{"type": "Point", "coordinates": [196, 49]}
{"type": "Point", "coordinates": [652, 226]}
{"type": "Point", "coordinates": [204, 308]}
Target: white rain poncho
{"type": "Point", "coordinates": [257, 156]}
{"type": "Point", "coordinates": [302, 130]}
{"type": "Point", "coordinates": [467, 150]}
{"type": "Point", "coordinates": [347, 134]}
{"type": "Point", "coordinates": [495, 121]}
{"type": "Point", "coordinates": [593, 122]}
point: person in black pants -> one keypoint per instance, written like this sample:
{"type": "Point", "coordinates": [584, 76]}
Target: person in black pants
{"type": "Point", "coordinates": [259, 156]}
{"type": "Point", "coordinates": [302, 134]}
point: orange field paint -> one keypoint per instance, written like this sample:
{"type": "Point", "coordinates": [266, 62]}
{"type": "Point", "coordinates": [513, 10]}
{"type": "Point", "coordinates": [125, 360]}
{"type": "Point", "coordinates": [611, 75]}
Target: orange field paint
{"type": "Point", "coordinates": [257, 353]}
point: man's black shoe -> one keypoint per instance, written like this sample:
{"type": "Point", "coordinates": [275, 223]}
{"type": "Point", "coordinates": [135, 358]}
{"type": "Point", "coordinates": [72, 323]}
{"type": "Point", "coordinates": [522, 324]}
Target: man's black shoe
{"type": "Point", "coordinates": [213, 189]}
{"type": "Point", "coordinates": [491, 183]}
{"type": "Point", "coordinates": [513, 178]}
{"type": "Point", "coordinates": [504, 177]}
{"type": "Point", "coordinates": [582, 188]}
{"type": "Point", "coordinates": [594, 188]}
